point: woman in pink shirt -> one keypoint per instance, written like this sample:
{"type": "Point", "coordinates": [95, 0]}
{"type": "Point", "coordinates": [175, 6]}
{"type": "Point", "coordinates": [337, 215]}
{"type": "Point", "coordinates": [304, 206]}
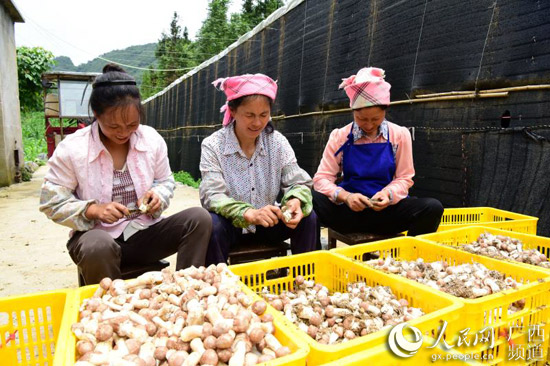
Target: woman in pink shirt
{"type": "Point", "coordinates": [374, 158]}
{"type": "Point", "coordinates": [111, 181]}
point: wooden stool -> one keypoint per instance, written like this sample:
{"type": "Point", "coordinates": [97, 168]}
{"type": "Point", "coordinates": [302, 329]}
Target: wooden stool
{"type": "Point", "coordinates": [132, 271]}
{"type": "Point", "coordinates": [249, 251]}
{"type": "Point", "coordinates": [356, 238]}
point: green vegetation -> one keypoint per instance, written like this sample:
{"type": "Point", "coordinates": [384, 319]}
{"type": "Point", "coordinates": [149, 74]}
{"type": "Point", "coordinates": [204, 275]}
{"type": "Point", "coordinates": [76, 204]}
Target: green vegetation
{"type": "Point", "coordinates": [140, 56]}
{"type": "Point", "coordinates": [186, 178]}
{"type": "Point", "coordinates": [215, 33]}
{"type": "Point", "coordinates": [64, 63]}
{"type": "Point", "coordinates": [34, 143]}
{"type": "Point", "coordinates": [176, 50]}
{"type": "Point", "coordinates": [173, 51]}
{"type": "Point", "coordinates": [31, 63]}
{"type": "Point", "coordinates": [32, 124]}
{"type": "Point", "coordinates": [218, 31]}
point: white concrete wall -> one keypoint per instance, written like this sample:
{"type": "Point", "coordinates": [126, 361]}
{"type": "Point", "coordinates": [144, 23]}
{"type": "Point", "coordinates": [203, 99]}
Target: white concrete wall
{"type": "Point", "coordinates": [10, 120]}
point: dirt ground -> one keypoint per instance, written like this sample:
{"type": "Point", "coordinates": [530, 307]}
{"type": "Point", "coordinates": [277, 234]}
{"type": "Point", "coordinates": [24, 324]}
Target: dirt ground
{"type": "Point", "coordinates": [33, 256]}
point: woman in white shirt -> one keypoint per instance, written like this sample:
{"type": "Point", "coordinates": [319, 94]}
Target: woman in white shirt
{"type": "Point", "coordinates": [245, 166]}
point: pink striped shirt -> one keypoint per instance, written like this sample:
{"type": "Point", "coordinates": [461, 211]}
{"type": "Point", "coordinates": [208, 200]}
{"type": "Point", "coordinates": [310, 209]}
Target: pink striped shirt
{"type": "Point", "coordinates": [330, 166]}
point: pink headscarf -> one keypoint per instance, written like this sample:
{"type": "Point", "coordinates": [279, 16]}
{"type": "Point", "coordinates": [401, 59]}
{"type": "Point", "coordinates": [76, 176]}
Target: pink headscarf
{"type": "Point", "coordinates": [239, 86]}
{"type": "Point", "coordinates": [366, 89]}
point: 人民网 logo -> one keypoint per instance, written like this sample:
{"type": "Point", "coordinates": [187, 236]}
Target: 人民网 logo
{"type": "Point", "coordinates": [402, 347]}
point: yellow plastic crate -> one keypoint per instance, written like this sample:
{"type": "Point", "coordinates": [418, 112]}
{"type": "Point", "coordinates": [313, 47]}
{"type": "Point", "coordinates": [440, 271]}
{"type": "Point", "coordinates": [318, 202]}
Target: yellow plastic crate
{"type": "Point", "coordinates": [381, 356]}
{"type": "Point", "coordinates": [467, 235]}
{"type": "Point", "coordinates": [283, 333]}
{"type": "Point", "coordinates": [485, 311]}
{"type": "Point", "coordinates": [488, 216]}
{"type": "Point", "coordinates": [30, 327]}
{"type": "Point", "coordinates": [335, 272]}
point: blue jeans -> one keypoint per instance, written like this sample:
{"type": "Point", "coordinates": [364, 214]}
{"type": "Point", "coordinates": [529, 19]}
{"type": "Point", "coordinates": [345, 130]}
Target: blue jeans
{"type": "Point", "coordinates": [303, 238]}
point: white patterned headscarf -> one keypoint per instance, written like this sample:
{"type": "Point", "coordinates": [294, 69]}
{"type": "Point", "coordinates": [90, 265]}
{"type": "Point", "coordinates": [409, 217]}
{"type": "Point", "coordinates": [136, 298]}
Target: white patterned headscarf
{"type": "Point", "coordinates": [366, 89]}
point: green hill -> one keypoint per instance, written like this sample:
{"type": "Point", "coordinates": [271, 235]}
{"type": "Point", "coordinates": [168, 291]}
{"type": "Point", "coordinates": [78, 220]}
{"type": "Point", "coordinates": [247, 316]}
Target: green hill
{"type": "Point", "coordinates": [64, 63]}
{"type": "Point", "coordinates": [139, 56]}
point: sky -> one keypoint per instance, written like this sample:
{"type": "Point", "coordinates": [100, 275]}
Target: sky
{"type": "Point", "coordinates": [85, 29]}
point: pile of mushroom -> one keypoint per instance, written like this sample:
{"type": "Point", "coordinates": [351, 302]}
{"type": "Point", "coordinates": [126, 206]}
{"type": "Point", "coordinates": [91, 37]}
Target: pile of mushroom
{"type": "Point", "coordinates": [340, 317]}
{"type": "Point", "coordinates": [196, 316]}
{"type": "Point", "coordinates": [505, 247]}
{"type": "Point", "coordinates": [469, 280]}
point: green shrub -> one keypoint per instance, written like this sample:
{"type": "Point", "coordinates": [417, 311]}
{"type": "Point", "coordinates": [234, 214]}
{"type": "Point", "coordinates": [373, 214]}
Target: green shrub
{"type": "Point", "coordinates": [186, 178]}
{"type": "Point", "coordinates": [26, 175]}
{"type": "Point", "coordinates": [31, 63]}
{"type": "Point", "coordinates": [34, 142]}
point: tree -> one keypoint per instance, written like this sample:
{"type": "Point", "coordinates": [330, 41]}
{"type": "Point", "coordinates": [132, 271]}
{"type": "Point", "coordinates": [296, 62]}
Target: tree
{"type": "Point", "coordinates": [241, 23]}
{"type": "Point", "coordinates": [173, 51]}
{"type": "Point", "coordinates": [176, 51]}
{"type": "Point", "coordinates": [255, 12]}
{"type": "Point", "coordinates": [151, 83]}
{"type": "Point", "coordinates": [31, 64]}
{"type": "Point", "coordinates": [266, 7]}
{"type": "Point", "coordinates": [215, 33]}
{"type": "Point", "coordinates": [252, 13]}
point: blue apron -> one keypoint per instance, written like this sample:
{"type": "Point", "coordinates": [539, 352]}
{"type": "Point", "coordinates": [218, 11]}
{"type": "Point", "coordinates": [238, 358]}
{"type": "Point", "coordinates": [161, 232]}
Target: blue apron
{"type": "Point", "coordinates": [367, 168]}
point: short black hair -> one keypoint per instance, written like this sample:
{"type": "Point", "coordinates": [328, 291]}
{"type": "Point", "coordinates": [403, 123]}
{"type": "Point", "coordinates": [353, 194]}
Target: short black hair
{"type": "Point", "coordinates": [116, 95]}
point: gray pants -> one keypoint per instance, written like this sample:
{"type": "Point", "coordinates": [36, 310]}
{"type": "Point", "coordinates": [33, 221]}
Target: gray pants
{"type": "Point", "coordinates": [98, 255]}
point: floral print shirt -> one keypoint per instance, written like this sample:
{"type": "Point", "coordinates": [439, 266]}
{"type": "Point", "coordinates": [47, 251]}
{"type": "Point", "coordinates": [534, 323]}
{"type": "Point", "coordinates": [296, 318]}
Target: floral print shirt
{"type": "Point", "coordinates": [232, 183]}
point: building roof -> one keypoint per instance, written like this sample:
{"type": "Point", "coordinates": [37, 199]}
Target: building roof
{"type": "Point", "coordinates": [12, 11]}
{"type": "Point", "coordinates": [69, 75]}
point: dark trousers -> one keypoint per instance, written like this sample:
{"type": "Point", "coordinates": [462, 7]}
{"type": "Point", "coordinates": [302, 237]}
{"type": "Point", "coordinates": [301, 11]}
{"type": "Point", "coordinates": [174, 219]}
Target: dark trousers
{"type": "Point", "coordinates": [303, 238]}
{"type": "Point", "coordinates": [98, 255]}
{"type": "Point", "coordinates": [415, 215]}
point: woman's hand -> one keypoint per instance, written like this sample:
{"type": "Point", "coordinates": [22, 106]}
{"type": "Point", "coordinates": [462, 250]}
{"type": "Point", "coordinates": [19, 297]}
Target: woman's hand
{"type": "Point", "coordinates": [294, 207]}
{"type": "Point", "coordinates": [266, 216]}
{"type": "Point", "coordinates": [151, 199]}
{"type": "Point", "coordinates": [357, 202]}
{"type": "Point", "coordinates": [380, 200]}
{"type": "Point", "coordinates": [106, 212]}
